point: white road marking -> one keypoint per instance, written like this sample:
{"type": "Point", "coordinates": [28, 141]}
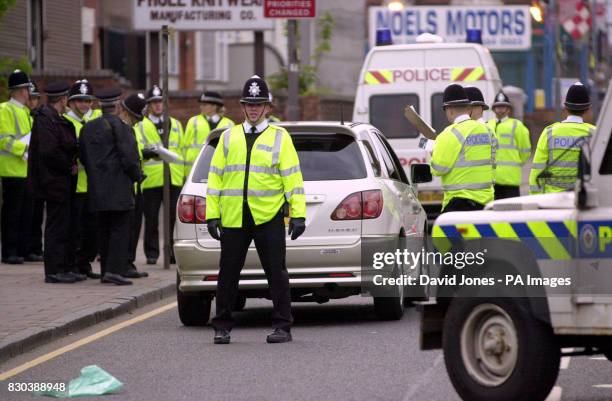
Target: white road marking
{"type": "Point", "coordinates": [603, 386]}
{"type": "Point", "coordinates": [555, 394]}
{"type": "Point", "coordinates": [599, 358]}
{"type": "Point", "coordinates": [565, 361]}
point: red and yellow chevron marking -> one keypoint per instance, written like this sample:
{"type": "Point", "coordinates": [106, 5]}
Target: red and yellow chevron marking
{"type": "Point", "coordinates": [375, 77]}
{"type": "Point", "coordinates": [467, 74]}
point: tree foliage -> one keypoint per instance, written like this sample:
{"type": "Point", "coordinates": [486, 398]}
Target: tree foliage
{"type": "Point", "coordinates": [8, 65]}
{"type": "Point", "coordinates": [5, 5]}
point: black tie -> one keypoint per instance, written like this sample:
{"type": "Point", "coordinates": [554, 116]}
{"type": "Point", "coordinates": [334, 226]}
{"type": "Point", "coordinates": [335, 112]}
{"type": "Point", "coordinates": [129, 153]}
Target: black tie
{"type": "Point", "coordinates": [253, 130]}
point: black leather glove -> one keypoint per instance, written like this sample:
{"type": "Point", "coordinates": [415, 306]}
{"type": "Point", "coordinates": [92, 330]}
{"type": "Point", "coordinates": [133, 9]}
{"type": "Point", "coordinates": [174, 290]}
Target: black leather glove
{"type": "Point", "coordinates": [214, 228]}
{"type": "Point", "coordinates": [297, 226]}
{"type": "Point", "coordinates": [148, 154]}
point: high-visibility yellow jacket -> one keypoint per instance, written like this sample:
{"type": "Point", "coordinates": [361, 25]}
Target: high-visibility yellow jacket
{"type": "Point", "coordinates": [557, 152]}
{"type": "Point", "coordinates": [196, 133]}
{"type": "Point", "coordinates": [147, 135]}
{"type": "Point", "coordinates": [78, 124]}
{"type": "Point", "coordinates": [513, 150]}
{"type": "Point", "coordinates": [15, 125]}
{"type": "Point", "coordinates": [274, 177]}
{"type": "Point", "coordinates": [462, 157]}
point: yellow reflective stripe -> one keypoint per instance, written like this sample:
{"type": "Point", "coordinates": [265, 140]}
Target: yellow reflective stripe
{"type": "Point", "coordinates": [504, 230]}
{"type": "Point", "coordinates": [475, 74]}
{"type": "Point", "coordinates": [440, 241]}
{"type": "Point", "coordinates": [550, 243]}
{"type": "Point", "coordinates": [370, 80]}
{"type": "Point", "coordinates": [456, 72]}
{"type": "Point", "coordinates": [572, 227]}
{"type": "Point", "coordinates": [387, 74]}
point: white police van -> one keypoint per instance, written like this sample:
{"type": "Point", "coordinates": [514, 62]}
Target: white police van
{"type": "Point", "coordinates": [508, 346]}
{"type": "Point", "coordinates": [394, 76]}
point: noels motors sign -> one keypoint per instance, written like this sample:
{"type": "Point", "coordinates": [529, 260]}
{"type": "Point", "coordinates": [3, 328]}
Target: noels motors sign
{"type": "Point", "coordinates": [503, 27]}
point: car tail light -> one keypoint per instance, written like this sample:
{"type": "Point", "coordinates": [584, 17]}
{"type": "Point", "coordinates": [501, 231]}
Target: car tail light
{"type": "Point", "coordinates": [359, 206]}
{"type": "Point", "coordinates": [192, 209]}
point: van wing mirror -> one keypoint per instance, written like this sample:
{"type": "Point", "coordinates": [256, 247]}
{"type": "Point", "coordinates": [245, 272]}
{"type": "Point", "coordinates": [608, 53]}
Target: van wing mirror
{"type": "Point", "coordinates": [420, 173]}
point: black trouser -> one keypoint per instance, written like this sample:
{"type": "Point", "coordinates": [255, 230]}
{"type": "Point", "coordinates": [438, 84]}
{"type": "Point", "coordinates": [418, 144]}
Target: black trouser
{"type": "Point", "coordinates": [151, 203]}
{"type": "Point", "coordinates": [85, 239]}
{"type": "Point", "coordinates": [114, 236]}
{"type": "Point", "coordinates": [36, 227]}
{"type": "Point", "coordinates": [15, 217]}
{"type": "Point", "coordinates": [270, 243]}
{"type": "Point", "coordinates": [59, 255]}
{"type": "Point", "coordinates": [462, 205]}
{"type": "Point", "coordinates": [506, 191]}
{"type": "Point", "coordinates": [135, 224]}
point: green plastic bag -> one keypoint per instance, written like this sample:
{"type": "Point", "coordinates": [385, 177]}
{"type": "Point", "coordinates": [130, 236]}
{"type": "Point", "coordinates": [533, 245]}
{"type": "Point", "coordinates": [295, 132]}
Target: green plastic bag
{"type": "Point", "coordinates": [93, 381]}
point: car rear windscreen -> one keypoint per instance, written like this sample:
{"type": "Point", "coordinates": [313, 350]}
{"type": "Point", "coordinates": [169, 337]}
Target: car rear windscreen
{"type": "Point", "coordinates": [322, 157]}
{"type": "Point", "coordinates": [387, 114]}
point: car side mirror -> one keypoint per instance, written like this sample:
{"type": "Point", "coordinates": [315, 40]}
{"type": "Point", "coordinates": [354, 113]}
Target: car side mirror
{"type": "Point", "coordinates": [420, 173]}
{"type": "Point", "coordinates": [584, 176]}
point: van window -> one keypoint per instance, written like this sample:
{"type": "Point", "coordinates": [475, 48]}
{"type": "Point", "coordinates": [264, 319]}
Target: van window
{"type": "Point", "coordinates": [322, 157]}
{"type": "Point", "coordinates": [387, 114]}
{"type": "Point", "coordinates": [438, 116]}
{"type": "Point", "coordinates": [606, 163]}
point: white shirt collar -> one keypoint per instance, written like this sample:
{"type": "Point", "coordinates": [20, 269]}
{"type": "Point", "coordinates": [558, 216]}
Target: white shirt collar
{"type": "Point", "coordinates": [16, 102]}
{"type": "Point", "coordinates": [74, 115]}
{"type": "Point", "coordinates": [259, 127]}
{"type": "Point", "coordinates": [502, 120]}
{"type": "Point", "coordinates": [482, 120]}
{"type": "Point", "coordinates": [155, 119]}
{"type": "Point", "coordinates": [461, 118]}
{"type": "Point", "coordinates": [574, 119]}
{"type": "Point", "coordinates": [214, 118]}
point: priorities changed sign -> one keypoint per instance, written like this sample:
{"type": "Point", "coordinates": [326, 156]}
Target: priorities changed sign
{"type": "Point", "coordinates": [197, 15]}
{"type": "Point", "coordinates": [503, 27]}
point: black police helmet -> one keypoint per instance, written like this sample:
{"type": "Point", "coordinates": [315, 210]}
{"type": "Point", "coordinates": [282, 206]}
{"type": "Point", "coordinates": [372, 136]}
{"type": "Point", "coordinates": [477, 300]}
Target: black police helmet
{"type": "Point", "coordinates": [255, 91]}
{"type": "Point", "coordinates": [501, 99]}
{"type": "Point", "coordinates": [18, 79]}
{"type": "Point", "coordinates": [134, 104]}
{"type": "Point", "coordinates": [454, 95]}
{"type": "Point", "coordinates": [155, 94]}
{"type": "Point", "coordinates": [577, 98]}
{"type": "Point", "coordinates": [475, 97]}
{"type": "Point", "coordinates": [82, 90]}
{"type": "Point", "coordinates": [211, 97]}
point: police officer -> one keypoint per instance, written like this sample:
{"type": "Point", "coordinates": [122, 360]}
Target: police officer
{"type": "Point", "coordinates": [149, 133]}
{"type": "Point", "coordinates": [15, 127]}
{"type": "Point", "coordinates": [109, 152]}
{"type": "Point", "coordinates": [254, 172]}
{"type": "Point", "coordinates": [462, 156]}
{"type": "Point", "coordinates": [53, 176]}
{"type": "Point", "coordinates": [513, 148]}
{"type": "Point", "coordinates": [555, 163]}
{"type": "Point", "coordinates": [271, 117]}
{"type": "Point", "coordinates": [198, 127]}
{"type": "Point", "coordinates": [35, 243]}
{"type": "Point", "coordinates": [84, 229]}
{"type": "Point", "coordinates": [478, 107]}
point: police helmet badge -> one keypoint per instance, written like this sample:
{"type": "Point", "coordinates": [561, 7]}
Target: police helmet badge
{"type": "Point", "coordinates": [254, 89]}
{"type": "Point", "coordinates": [83, 88]}
{"type": "Point", "coordinates": [156, 91]}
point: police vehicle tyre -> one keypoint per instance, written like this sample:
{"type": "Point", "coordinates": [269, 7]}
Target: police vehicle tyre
{"type": "Point", "coordinates": [194, 309]}
{"type": "Point", "coordinates": [495, 350]}
{"type": "Point", "coordinates": [240, 303]}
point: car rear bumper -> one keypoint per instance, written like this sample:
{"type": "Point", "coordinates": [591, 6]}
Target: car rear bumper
{"type": "Point", "coordinates": [195, 263]}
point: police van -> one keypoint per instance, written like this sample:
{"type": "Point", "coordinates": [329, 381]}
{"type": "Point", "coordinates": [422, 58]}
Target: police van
{"type": "Point", "coordinates": [506, 343]}
{"type": "Point", "coordinates": [394, 76]}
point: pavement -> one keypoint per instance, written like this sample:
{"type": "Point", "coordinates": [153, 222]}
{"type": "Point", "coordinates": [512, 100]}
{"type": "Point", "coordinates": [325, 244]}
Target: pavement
{"type": "Point", "coordinates": [34, 313]}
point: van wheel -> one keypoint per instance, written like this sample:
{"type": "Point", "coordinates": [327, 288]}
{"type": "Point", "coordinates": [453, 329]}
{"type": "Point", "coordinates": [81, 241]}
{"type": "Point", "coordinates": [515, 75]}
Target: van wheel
{"type": "Point", "coordinates": [193, 308]}
{"type": "Point", "coordinates": [240, 303]}
{"type": "Point", "coordinates": [495, 350]}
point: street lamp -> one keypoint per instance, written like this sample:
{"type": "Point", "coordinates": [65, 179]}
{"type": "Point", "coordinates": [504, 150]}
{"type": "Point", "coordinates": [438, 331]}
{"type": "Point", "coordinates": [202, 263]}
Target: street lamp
{"type": "Point", "coordinates": [536, 12]}
{"type": "Point", "coordinates": [395, 5]}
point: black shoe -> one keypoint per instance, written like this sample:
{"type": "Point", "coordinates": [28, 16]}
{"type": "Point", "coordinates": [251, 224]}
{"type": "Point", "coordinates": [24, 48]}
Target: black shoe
{"type": "Point", "coordinates": [222, 336]}
{"type": "Point", "coordinates": [91, 274]}
{"type": "Point", "coordinates": [33, 258]}
{"type": "Point", "coordinates": [279, 336]}
{"type": "Point", "coordinates": [115, 279]}
{"type": "Point", "coordinates": [13, 260]}
{"type": "Point", "coordinates": [78, 276]}
{"type": "Point", "coordinates": [151, 261]}
{"type": "Point", "coordinates": [63, 278]}
{"type": "Point", "coordinates": [133, 273]}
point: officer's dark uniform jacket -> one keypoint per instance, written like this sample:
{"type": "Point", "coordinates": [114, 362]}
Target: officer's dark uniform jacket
{"type": "Point", "coordinates": [109, 153]}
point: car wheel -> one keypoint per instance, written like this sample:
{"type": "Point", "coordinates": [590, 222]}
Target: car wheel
{"type": "Point", "coordinates": [418, 293]}
{"type": "Point", "coordinates": [240, 303]}
{"type": "Point", "coordinates": [193, 308]}
{"type": "Point", "coordinates": [390, 307]}
{"type": "Point", "coordinates": [495, 350]}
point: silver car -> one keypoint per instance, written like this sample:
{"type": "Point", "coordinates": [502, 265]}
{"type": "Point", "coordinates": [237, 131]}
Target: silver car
{"type": "Point", "coordinates": [355, 189]}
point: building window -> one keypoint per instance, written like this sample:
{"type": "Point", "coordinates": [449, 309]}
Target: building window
{"type": "Point", "coordinates": [36, 36]}
{"type": "Point", "coordinates": [173, 54]}
{"type": "Point", "coordinates": [211, 56]}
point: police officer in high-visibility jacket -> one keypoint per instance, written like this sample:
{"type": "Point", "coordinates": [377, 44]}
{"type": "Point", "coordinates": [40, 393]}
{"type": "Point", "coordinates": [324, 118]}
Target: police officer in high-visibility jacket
{"type": "Point", "coordinates": [462, 156]}
{"type": "Point", "coordinates": [253, 174]}
{"type": "Point", "coordinates": [555, 163]}
{"type": "Point", "coordinates": [15, 128]}
{"type": "Point", "coordinates": [513, 148]}
{"type": "Point", "coordinates": [198, 127]}
{"type": "Point", "coordinates": [85, 231]}
{"type": "Point", "coordinates": [477, 109]}
{"type": "Point", "coordinates": [149, 133]}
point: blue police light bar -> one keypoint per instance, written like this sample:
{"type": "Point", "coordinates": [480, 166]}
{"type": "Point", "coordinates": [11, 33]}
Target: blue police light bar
{"type": "Point", "coordinates": [474, 36]}
{"type": "Point", "coordinates": [383, 37]}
